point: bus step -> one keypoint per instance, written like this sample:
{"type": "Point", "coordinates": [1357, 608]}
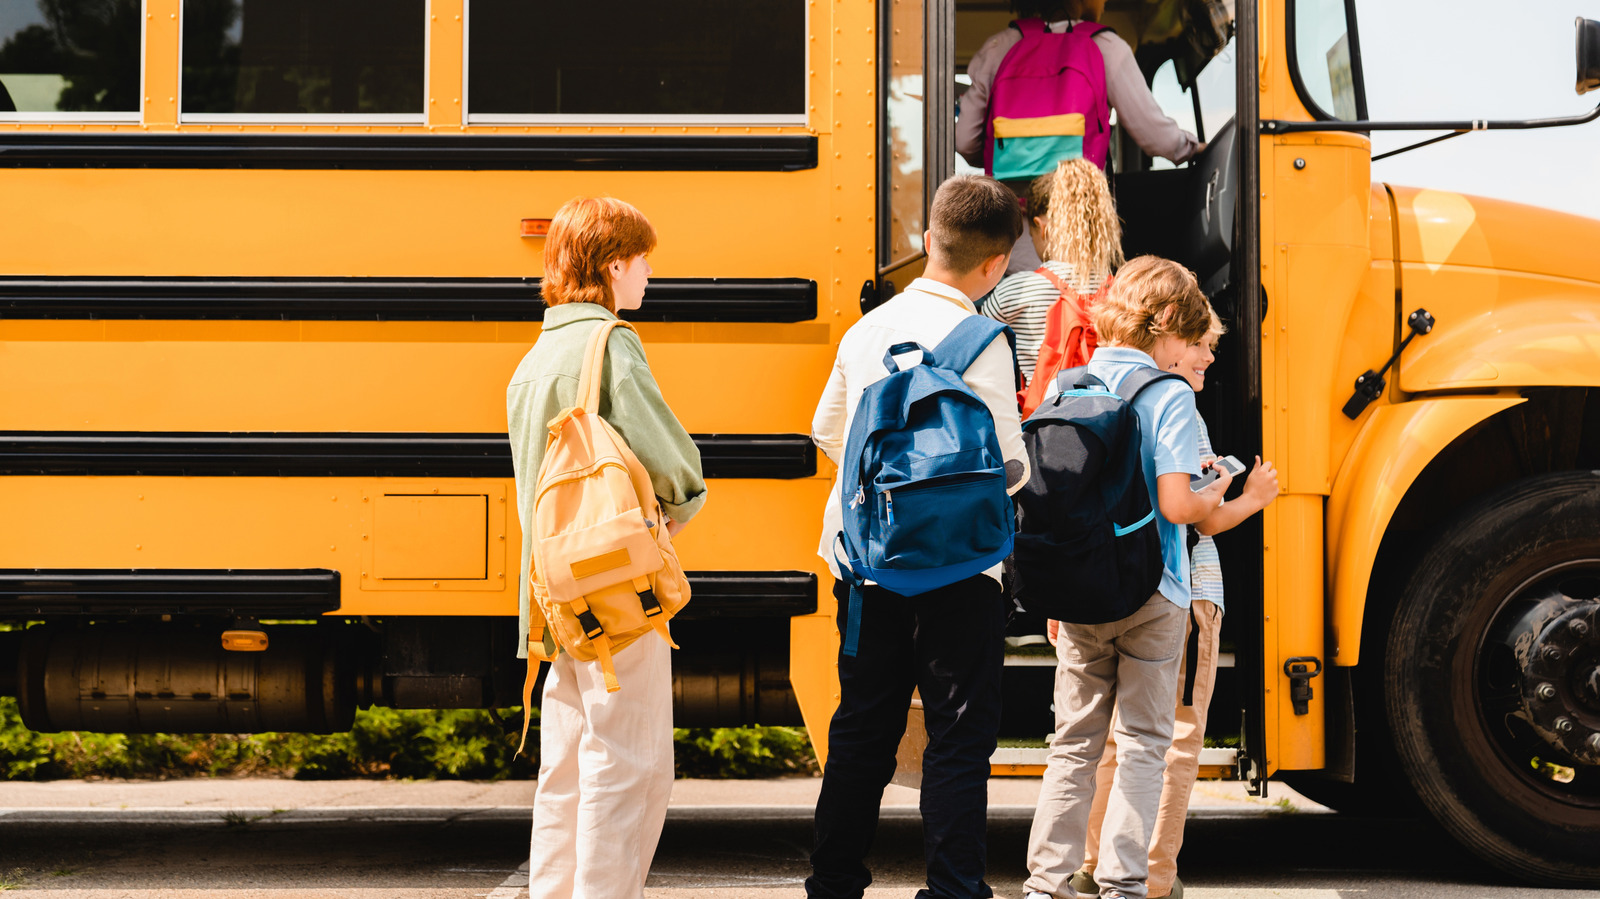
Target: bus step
{"type": "Point", "coordinates": [1216, 763]}
{"type": "Point", "coordinates": [1045, 657]}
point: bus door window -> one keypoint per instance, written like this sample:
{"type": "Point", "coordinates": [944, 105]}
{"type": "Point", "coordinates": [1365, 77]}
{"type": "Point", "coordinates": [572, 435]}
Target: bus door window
{"type": "Point", "coordinates": [77, 61]}
{"type": "Point", "coordinates": [917, 71]}
{"type": "Point", "coordinates": [690, 61]}
{"type": "Point", "coordinates": [281, 60]}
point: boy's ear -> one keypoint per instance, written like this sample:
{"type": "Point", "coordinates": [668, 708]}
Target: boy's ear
{"type": "Point", "coordinates": [1038, 223]}
{"type": "Point", "coordinates": [996, 264]}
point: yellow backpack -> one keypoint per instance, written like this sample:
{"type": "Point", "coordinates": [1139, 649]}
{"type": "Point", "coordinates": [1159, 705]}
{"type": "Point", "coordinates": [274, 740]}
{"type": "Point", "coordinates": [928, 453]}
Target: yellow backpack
{"type": "Point", "coordinates": [604, 572]}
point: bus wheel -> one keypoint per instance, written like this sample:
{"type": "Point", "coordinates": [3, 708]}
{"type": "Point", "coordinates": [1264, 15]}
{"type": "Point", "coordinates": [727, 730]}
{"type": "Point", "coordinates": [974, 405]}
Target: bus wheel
{"type": "Point", "coordinates": [1493, 679]}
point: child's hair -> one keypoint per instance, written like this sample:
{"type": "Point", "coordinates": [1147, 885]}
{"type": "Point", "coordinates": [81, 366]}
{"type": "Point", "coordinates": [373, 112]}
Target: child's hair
{"type": "Point", "coordinates": [973, 219]}
{"type": "Point", "coordinates": [586, 236]}
{"type": "Point", "coordinates": [1041, 9]}
{"type": "Point", "coordinates": [1152, 298]}
{"type": "Point", "coordinates": [1081, 227]}
{"type": "Point", "coordinates": [1217, 329]}
{"type": "Point", "coordinates": [1047, 9]}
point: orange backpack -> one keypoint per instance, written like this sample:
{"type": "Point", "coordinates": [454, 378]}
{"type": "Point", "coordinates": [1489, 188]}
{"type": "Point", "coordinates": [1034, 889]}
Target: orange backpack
{"type": "Point", "coordinates": [604, 572]}
{"type": "Point", "coordinates": [1069, 338]}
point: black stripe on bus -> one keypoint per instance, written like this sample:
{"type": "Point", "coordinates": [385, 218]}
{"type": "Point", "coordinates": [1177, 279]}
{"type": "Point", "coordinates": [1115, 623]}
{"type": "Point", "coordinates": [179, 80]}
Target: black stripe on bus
{"type": "Point", "coordinates": [343, 454]}
{"type": "Point", "coordinates": [277, 592]}
{"type": "Point", "coordinates": [477, 152]}
{"type": "Point", "coordinates": [386, 299]}
{"type": "Point", "coordinates": [303, 592]}
{"type": "Point", "coordinates": [750, 594]}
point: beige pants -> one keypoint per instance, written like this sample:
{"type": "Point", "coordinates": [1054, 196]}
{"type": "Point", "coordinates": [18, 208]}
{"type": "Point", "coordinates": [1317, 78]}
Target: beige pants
{"type": "Point", "coordinates": [1183, 759]}
{"type": "Point", "coordinates": [1134, 665]}
{"type": "Point", "coordinates": [605, 774]}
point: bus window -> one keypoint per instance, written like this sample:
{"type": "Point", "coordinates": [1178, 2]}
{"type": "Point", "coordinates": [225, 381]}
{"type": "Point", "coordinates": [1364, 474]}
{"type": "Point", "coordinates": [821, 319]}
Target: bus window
{"type": "Point", "coordinates": [1323, 57]}
{"type": "Point", "coordinates": [636, 61]}
{"type": "Point", "coordinates": [903, 198]}
{"type": "Point", "coordinates": [289, 60]}
{"type": "Point", "coordinates": [1217, 87]}
{"type": "Point", "coordinates": [76, 61]}
{"type": "Point", "coordinates": [1177, 101]}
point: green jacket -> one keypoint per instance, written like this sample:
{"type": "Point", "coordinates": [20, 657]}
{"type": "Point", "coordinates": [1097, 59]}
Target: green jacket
{"type": "Point", "coordinates": [547, 382]}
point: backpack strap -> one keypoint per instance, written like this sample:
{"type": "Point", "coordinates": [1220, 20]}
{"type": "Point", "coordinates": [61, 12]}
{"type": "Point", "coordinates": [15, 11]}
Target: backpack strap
{"type": "Point", "coordinates": [1094, 27]}
{"type": "Point", "coordinates": [594, 365]}
{"type": "Point", "coordinates": [967, 341]}
{"type": "Point", "coordinates": [1141, 378]}
{"type": "Point", "coordinates": [1026, 27]}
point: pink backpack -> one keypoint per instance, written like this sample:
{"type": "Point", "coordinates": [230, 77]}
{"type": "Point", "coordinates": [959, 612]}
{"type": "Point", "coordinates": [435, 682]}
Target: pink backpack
{"type": "Point", "coordinates": [1048, 102]}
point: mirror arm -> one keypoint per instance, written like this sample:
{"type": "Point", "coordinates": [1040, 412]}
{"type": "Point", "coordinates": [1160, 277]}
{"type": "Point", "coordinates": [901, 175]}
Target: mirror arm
{"type": "Point", "coordinates": [1279, 126]}
{"type": "Point", "coordinates": [1419, 145]}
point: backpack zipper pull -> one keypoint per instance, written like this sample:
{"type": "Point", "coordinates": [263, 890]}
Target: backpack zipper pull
{"type": "Point", "coordinates": [888, 505]}
{"type": "Point", "coordinates": [859, 498]}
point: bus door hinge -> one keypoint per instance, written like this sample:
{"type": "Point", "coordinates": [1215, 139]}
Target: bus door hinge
{"type": "Point", "coordinates": [1301, 669]}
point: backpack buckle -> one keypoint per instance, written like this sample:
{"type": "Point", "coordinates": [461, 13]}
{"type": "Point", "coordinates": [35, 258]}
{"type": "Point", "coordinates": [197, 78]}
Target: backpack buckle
{"type": "Point", "coordinates": [590, 624]}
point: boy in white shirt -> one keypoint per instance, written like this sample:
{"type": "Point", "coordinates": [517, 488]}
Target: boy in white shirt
{"type": "Point", "coordinates": [948, 643]}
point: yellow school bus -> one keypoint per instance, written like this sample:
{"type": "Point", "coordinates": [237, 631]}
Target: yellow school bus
{"type": "Point", "coordinates": [266, 267]}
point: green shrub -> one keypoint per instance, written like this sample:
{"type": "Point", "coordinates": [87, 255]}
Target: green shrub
{"type": "Point", "coordinates": [742, 751]}
{"type": "Point", "coordinates": [466, 744]}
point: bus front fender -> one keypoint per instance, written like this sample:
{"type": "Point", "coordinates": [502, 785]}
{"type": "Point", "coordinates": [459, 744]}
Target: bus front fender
{"type": "Point", "coordinates": [1393, 447]}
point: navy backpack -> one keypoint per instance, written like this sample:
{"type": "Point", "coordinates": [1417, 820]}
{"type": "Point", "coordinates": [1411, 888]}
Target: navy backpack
{"type": "Point", "coordinates": [923, 485]}
{"type": "Point", "coordinates": [1087, 548]}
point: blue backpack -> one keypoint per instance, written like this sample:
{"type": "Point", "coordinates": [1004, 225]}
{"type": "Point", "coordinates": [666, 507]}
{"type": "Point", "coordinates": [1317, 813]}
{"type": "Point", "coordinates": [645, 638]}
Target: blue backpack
{"type": "Point", "coordinates": [924, 481]}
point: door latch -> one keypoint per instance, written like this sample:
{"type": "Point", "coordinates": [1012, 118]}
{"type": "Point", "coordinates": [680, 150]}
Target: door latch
{"type": "Point", "coordinates": [1370, 385]}
{"type": "Point", "coordinates": [1301, 669]}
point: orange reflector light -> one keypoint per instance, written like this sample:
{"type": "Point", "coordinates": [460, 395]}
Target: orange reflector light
{"type": "Point", "coordinates": [535, 227]}
{"type": "Point", "coordinates": [244, 641]}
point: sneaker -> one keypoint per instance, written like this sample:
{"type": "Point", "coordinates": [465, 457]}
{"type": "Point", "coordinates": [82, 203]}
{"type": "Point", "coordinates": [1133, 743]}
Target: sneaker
{"type": "Point", "coordinates": [1084, 883]}
{"type": "Point", "coordinates": [1024, 628]}
{"type": "Point", "coordinates": [1036, 894]}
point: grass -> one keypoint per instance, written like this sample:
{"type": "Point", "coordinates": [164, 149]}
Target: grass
{"type": "Point", "coordinates": [13, 880]}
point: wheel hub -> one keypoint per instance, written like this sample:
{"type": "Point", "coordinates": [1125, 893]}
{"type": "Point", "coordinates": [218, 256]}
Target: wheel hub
{"type": "Point", "coordinates": [1557, 645]}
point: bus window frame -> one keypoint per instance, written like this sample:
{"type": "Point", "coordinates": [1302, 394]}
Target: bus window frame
{"type": "Point", "coordinates": [938, 132]}
{"type": "Point", "coordinates": [768, 120]}
{"type": "Point", "coordinates": [1357, 74]}
{"type": "Point", "coordinates": [420, 117]}
{"type": "Point", "coordinates": [97, 118]}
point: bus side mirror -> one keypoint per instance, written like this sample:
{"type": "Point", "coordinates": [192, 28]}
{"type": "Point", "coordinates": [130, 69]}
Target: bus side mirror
{"type": "Point", "coordinates": [1588, 55]}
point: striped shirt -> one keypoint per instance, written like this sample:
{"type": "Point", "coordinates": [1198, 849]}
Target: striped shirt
{"type": "Point", "coordinates": [1023, 301]}
{"type": "Point", "coordinates": [1205, 566]}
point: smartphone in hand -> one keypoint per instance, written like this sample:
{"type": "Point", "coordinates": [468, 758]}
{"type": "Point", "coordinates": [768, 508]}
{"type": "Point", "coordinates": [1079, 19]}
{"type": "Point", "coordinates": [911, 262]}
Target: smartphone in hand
{"type": "Point", "coordinates": [1227, 463]}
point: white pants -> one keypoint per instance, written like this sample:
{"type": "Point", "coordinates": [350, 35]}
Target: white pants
{"type": "Point", "coordinates": [605, 774]}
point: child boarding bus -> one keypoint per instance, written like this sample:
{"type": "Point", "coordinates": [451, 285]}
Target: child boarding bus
{"type": "Point", "coordinates": [268, 267]}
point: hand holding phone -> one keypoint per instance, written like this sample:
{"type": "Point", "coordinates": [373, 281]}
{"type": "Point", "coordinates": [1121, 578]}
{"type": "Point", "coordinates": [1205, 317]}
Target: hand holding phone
{"type": "Point", "coordinates": [1232, 466]}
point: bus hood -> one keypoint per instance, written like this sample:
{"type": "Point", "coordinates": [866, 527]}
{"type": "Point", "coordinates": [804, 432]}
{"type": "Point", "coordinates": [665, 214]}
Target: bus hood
{"type": "Point", "coordinates": [1515, 291]}
{"type": "Point", "coordinates": [1441, 228]}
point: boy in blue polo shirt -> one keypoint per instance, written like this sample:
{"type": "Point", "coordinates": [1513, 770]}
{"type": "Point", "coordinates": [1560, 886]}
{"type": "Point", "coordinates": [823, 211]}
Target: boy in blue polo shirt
{"type": "Point", "coordinates": [1152, 315]}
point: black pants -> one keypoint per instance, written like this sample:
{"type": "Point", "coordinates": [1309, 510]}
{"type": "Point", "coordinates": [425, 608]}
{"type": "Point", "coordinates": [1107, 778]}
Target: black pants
{"type": "Point", "coordinates": [950, 645]}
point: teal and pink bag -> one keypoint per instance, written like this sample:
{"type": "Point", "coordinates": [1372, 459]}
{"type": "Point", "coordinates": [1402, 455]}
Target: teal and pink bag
{"type": "Point", "coordinates": [1048, 102]}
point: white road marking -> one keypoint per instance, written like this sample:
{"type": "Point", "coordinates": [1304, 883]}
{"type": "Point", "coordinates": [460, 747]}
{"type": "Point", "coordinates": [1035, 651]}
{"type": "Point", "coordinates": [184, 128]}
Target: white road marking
{"type": "Point", "coordinates": [512, 887]}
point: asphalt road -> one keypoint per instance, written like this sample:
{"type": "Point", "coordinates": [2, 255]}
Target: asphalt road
{"type": "Point", "coordinates": [287, 840]}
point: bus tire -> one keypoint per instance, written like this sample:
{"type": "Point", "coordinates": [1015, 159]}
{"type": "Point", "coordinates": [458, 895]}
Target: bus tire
{"type": "Point", "coordinates": [1465, 707]}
